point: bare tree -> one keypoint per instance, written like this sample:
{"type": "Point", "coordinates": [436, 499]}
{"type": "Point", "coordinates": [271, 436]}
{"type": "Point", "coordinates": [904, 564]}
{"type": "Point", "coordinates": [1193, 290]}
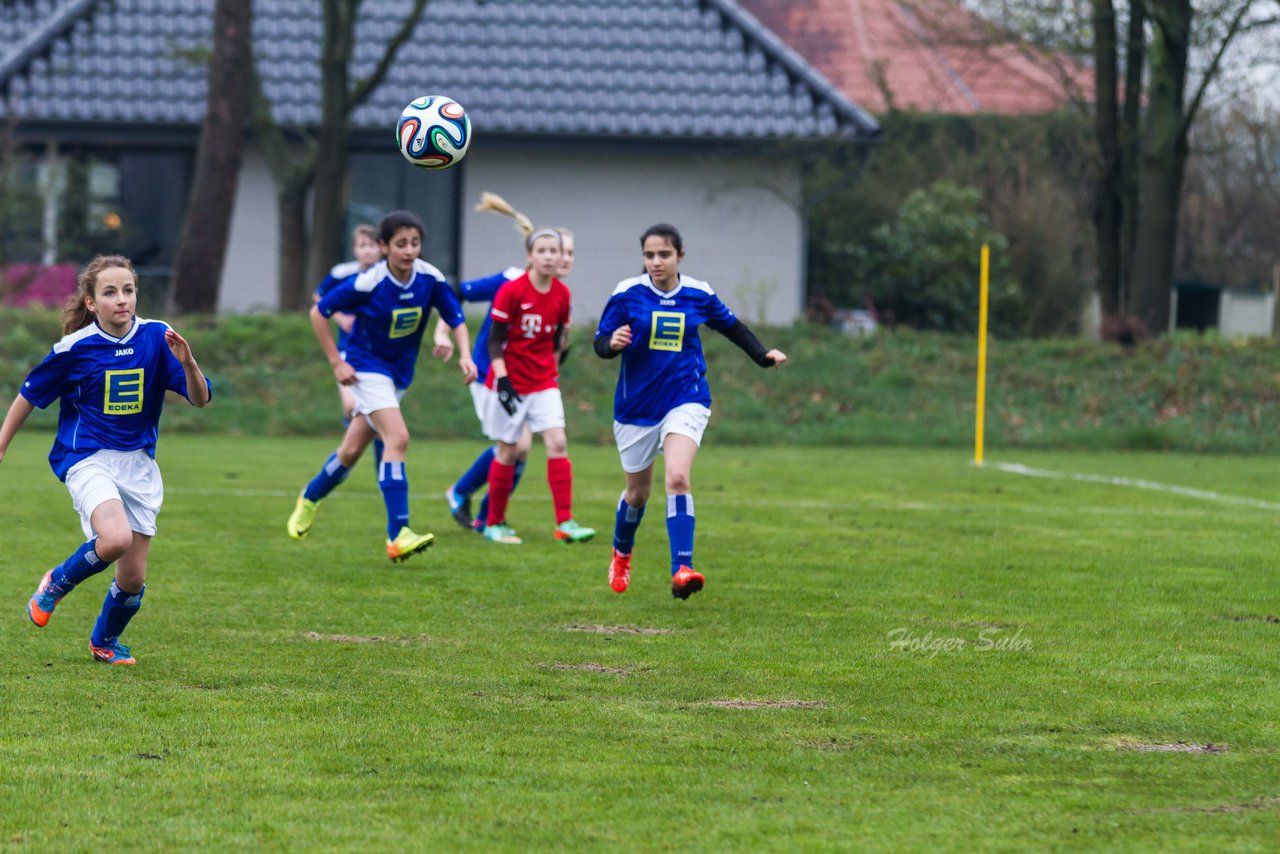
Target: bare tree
{"type": "Point", "coordinates": [299, 158]}
{"type": "Point", "coordinates": [202, 247]}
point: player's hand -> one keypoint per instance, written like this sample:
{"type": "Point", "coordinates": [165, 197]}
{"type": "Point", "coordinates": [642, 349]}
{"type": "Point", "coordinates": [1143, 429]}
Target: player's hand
{"type": "Point", "coordinates": [442, 349]}
{"type": "Point", "coordinates": [774, 358]}
{"type": "Point", "coordinates": [468, 370]}
{"type": "Point", "coordinates": [621, 338]}
{"type": "Point", "coordinates": [178, 346]}
{"type": "Point", "coordinates": [507, 395]}
{"type": "Point", "coordinates": [345, 374]}
{"type": "Point", "coordinates": [346, 322]}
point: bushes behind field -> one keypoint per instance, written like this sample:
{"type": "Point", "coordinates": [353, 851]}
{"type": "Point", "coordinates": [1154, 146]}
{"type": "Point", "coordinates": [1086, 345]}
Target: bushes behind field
{"type": "Point", "coordinates": [894, 388]}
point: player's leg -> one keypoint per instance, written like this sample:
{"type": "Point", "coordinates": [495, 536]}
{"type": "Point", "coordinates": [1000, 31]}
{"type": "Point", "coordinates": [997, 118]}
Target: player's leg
{"type": "Point", "coordinates": [334, 471]}
{"type": "Point", "coordinates": [349, 414]}
{"type": "Point", "coordinates": [102, 517]}
{"type": "Point", "coordinates": [522, 461]}
{"type": "Point", "coordinates": [122, 602]}
{"type": "Point", "coordinates": [502, 473]}
{"type": "Point", "coordinates": [679, 451]}
{"type": "Point", "coordinates": [458, 495]}
{"type": "Point", "coordinates": [630, 513]}
{"type": "Point", "coordinates": [393, 480]}
{"type": "Point", "coordinates": [560, 479]}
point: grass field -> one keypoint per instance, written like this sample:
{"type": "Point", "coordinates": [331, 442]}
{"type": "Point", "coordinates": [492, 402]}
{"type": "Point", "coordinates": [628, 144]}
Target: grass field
{"type": "Point", "coordinates": [894, 651]}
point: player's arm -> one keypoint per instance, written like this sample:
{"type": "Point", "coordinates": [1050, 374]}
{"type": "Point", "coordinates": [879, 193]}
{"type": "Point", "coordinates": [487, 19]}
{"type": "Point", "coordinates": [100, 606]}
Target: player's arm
{"type": "Point", "coordinates": [441, 344]}
{"type": "Point", "coordinates": [345, 374]}
{"type": "Point", "coordinates": [741, 335]}
{"type": "Point", "coordinates": [197, 386]}
{"type": "Point", "coordinates": [507, 395]}
{"type": "Point", "coordinates": [613, 335]}
{"type": "Point", "coordinates": [13, 421]}
{"type": "Point", "coordinates": [562, 342]}
{"type": "Point", "coordinates": [463, 339]}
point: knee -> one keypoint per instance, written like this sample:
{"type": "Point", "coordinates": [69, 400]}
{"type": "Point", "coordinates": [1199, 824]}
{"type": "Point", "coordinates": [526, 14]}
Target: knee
{"type": "Point", "coordinates": [396, 441]}
{"type": "Point", "coordinates": [677, 483]}
{"type": "Point", "coordinates": [113, 543]}
{"type": "Point", "coordinates": [637, 496]}
{"type": "Point", "coordinates": [557, 448]}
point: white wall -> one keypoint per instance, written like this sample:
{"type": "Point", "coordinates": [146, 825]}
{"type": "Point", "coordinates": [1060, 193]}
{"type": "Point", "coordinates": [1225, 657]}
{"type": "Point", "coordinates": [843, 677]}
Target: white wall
{"type": "Point", "coordinates": [1246, 313]}
{"type": "Point", "coordinates": [739, 234]}
{"type": "Point", "coordinates": [250, 275]}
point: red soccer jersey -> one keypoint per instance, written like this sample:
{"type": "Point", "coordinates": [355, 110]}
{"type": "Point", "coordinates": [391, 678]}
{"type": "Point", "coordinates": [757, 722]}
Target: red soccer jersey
{"type": "Point", "coordinates": [532, 318]}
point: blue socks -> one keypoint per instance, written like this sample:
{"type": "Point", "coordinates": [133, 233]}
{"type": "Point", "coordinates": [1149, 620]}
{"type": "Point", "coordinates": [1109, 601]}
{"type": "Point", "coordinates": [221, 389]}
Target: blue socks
{"type": "Point", "coordinates": [476, 476]}
{"type": "Point", "coordinates": [395, 493]}
{"type": "Point", "coordinates": [332, 474]}
{"type": "Point", "coordinates": [515, 481]}
{"type": "Point", "coordinates": [626, 524]}
{"type": "Point", "coordinates": [378, 447]}
{"type": "Point", "coordinates": [82, 564]}
{"type": "Point", "coordinates": [680, 530]}
{"type": "Point", "coordinates": [117, 610]}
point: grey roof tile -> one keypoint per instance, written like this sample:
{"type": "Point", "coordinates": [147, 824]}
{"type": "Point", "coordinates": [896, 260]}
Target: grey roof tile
{"type": "Point", "coordinates": [670, 68]}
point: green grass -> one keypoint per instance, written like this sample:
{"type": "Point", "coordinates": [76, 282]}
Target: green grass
{"type": "Point", "coordinates": [313, 696]}
{"type": "Point", "coordinates": [902, 388]}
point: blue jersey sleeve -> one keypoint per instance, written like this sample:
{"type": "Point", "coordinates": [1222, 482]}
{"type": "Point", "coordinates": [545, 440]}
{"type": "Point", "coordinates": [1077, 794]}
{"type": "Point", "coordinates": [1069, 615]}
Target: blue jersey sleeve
{"type": "Point", "coordinates": [443, 301]}
{"type": "Point", "coordinates": [719, 317]}
{"type": "Point", "coordinates": [327, 284]}
{"type": "Point", "coordinates": [344, 297]}
{"type": "Point", "coordinates": [615, 315]}
{"type": "Point", "coordinates": [49, 380]}
{"type": "Point", "coordinates": [484, 290]}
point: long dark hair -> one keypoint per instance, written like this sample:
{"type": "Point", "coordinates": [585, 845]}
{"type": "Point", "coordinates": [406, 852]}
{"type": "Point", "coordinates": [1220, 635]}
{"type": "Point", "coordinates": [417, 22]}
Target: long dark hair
{"type": "Point", "coordinates": [396, 220]}
{"type": "Point", "coordinates": [75, 314]}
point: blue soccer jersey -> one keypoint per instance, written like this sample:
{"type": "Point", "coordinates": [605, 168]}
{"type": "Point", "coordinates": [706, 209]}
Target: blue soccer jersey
{"type": "Point", "coordinates": [484, 290]}
{"type": "Point", "coordinates": [111, 390]}
{"type": "Point", "coordinates": [391, 317]}
{"type": "Point", "coordinates": [337, 275]}
{"type": "Point", "coordinates": [663, 367]}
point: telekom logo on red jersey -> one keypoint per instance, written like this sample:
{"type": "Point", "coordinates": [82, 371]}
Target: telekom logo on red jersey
{"type": "Point", "coordinates": [530, 324]}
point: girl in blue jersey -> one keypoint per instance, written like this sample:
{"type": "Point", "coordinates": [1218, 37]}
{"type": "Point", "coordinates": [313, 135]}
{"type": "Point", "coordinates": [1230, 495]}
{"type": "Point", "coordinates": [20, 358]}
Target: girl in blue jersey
{"type": "Point", "coordinates": [391, 302]}
{"type": "Point", "coordinates": [367, 252]}
{"type": "Point", "coordinates": [458, 495]}
{"type": "Point", "coordinates": [662, 403]}
{"type": "Point", "coordinates": [109, 373]}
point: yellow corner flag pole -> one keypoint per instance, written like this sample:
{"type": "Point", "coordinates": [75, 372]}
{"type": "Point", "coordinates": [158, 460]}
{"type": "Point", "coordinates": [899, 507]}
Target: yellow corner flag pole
{"type": "Point", "coordinates": [982, 355]}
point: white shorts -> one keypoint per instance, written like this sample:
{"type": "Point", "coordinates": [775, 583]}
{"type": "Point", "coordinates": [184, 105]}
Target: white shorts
{"type": "Point", "coordinates": [639, 446]}
{"type": "Point", "coordinates": [541, 410]}
{"type": "Point", "coordinates": [374, 392]}
{"type": "Point", "coordinates": [480, 395]}
{"type": "Point", "coordinates": [130, 477]}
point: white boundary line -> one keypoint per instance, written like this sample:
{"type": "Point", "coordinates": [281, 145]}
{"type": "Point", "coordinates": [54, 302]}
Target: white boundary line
{"type": "Point", "coordinates": [1190, 492]}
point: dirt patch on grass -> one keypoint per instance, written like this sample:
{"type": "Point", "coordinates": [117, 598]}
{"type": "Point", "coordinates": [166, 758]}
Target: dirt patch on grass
{"type": "Point", "coordinates": [831, 745]}
{"type": "Point", "coordinates": [398, 640]}
{"type": "Point", "coordinates": [767, 704]}
{"type": "Point", "coordinates": [971, 624]}
{"type": "Point", "coordinates": [588, 666]}
{"type": "Point", "coordinates": [1251, 618]}
{"type": "Point", "coordinates": [1171, 747]}
{"type": "Point", "coordinates": [1263, 804]}
{"type": "Point", "coordinates": [596, 628]}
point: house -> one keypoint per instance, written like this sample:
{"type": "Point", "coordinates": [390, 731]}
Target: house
{"type": "Point", "coordinates": [931, 56]}
{"type": "Point", "coordinates": [604, 116]}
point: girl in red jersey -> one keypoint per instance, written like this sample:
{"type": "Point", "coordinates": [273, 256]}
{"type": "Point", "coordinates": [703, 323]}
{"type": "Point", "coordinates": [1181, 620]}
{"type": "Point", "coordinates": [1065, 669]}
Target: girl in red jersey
{"type": "Point", "coordinates": [530, 329]}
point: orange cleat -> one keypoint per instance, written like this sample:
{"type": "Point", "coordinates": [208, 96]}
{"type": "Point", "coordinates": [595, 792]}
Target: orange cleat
{"type": "Point", "coordinates": [42, 603]}
{"type": "Point", "coordinates": [619, 572]}
{"type": "Point", "coordinates": [686, 582]}
{"type": "Point", "coordinates": [113, 653]}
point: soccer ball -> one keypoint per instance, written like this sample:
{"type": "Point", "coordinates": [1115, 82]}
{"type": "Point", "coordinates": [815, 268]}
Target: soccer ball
{"type": "Point", "coordinates": [433, 132]}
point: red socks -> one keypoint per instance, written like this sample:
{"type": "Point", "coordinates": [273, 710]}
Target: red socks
{"type": "Point", "coordinates": [501, 482]}
{"type": "Point", "coordinates": [560, 479]}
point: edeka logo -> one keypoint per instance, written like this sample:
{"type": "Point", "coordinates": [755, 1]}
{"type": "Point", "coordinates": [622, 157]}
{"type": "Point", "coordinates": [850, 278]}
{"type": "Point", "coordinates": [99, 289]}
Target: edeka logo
{"type": "Point", "coordinates": [667, 331]}
{"type": "Point", "coordinates": [404, 321]}
{"type": "Point", "coordinates": [123, 395]}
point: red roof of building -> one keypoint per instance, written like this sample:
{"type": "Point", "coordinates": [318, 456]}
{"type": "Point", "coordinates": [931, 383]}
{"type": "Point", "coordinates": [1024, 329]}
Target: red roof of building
{"type": "Point", "coordinates": [926, 55]}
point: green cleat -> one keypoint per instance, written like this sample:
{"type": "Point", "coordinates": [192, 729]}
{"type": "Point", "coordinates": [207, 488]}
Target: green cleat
{"type": "Point", "coordinates": [407, 543]}
{"type": "Point", "coordinates": [303, 515]}
{"type": "Point", "coordinates": [502, 533]}
{"type": "Point", "coordinates": [570, 531]}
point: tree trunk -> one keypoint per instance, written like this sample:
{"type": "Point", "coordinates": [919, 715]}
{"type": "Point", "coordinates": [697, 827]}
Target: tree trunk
{"type": "Point", "coordinates": [329, 204]}
{"type": "Point", "coordinates": [1108, 192]}
{"type": "Point", "coordinates": [1163, 163]}
{"type": "Point", "coordinates": [1131, 145]}
{"type": "Point", "coordinates": [202, 247]}
{"type": "Point", "coordinates": [291, 200]}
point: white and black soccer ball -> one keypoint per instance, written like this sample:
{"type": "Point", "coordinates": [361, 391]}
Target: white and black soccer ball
{"type": "Point", "coordinates": [433, 132]}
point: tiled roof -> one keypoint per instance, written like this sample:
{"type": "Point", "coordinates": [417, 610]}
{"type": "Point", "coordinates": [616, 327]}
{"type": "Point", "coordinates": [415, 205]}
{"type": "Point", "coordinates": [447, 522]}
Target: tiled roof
{"type": "Point", "coordinates": [624, 68]}
{"type": "Point", "coordinates": [928, 55]}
